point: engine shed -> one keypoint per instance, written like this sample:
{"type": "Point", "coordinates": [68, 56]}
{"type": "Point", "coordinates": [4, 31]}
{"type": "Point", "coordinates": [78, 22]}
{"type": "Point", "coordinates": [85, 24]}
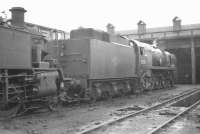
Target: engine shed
{"type": "Point", "coordinates": [181, 40]}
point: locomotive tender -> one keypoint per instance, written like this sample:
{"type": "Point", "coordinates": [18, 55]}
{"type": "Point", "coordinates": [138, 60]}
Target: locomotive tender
{"type": "Point", "coordinates": [25, 79]}
{"type": "Point", "coordinates": [104, 65]}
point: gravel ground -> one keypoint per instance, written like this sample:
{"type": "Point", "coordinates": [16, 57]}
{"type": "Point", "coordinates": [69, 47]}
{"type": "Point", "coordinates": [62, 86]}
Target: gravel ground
{"type": "Point", "coordinates": [188, 124]}
{"type": "Point", "coordinates": [71, 119]}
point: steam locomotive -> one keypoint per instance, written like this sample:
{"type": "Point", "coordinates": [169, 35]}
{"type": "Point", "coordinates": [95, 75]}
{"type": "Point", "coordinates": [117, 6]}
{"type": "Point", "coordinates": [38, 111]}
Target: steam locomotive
{"type": "Point", "coordinates": [26, 80]}
{"type": "Point", "coordinates": [104, 65]}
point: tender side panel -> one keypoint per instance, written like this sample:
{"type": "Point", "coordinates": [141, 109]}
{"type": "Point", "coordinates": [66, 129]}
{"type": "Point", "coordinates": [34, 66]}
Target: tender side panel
{"type": "Point", "coordinates": [15, 49]}
{"type": "Point", "coordinates": [109, 60]}
{"type": "Point", "coordinates": [75, 59]}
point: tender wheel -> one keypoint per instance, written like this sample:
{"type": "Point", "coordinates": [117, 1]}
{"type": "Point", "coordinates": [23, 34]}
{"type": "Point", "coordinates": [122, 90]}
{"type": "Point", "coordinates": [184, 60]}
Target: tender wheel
{"type": "Point", "coordinates": [94, 95]}
{"type": "Point", "coordinates": [147, 83]}
{"type": "Point", "coordinates": [52, 103]}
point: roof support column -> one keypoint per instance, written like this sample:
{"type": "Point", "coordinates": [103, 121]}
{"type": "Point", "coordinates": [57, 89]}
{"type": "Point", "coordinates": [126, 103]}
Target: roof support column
{"type": "Point", "coordinates": [193, 59]}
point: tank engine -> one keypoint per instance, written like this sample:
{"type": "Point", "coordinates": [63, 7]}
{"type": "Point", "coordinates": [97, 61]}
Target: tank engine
{"type": "Point", "coordinates": [103, 65]}
{"type": "Point", "coordinates": [25, 79]}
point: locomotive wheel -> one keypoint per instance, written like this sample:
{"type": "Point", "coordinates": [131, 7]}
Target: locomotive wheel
{"type": "Point", "coordinates": [95, 92]}
{"type": "Point", "coordinates": [105, 95]}
{"type": "Point", "coordinates": [13, 106]}
{"type": "Point", "coordinates": [92, 94]}
{"type": "Point", "coordinates": [52, 103]}
{"type": "Point", "coordinates": [9, 111]}
{"type": "Point", "coordinates": [168, 83]}
{"type": "Point", "coordinates": [147, 83]}
{"type": "Point", "coordinates": [171, 82]}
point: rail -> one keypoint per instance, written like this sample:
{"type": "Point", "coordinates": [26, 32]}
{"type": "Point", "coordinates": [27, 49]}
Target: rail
{"type": "Point", "coordinates": [134, 114]}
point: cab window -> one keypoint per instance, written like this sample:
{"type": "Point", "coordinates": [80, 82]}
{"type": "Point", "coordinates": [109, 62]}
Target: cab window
{"type": "Point", "coordinates": [141, 50]}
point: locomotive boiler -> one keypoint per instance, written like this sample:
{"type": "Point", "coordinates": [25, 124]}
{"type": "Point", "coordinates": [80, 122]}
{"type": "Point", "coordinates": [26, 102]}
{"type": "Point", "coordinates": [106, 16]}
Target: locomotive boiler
{"type": "Point", "coordinates": [105, 65]}
{"type": "Point", "coordinates": [26, 80]}
{"type": "Point", "coordinates": [157, 67]}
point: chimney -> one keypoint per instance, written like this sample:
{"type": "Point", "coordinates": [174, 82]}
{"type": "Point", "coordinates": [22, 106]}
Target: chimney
{"type": "Point", "coordinates": [17, 16]}
{"type": "Point", "coordinates": [110, 28]}
{"type": "Point", "coordinates": [141, 27]}
{"type": "Point", "coordinates": [176, 23]}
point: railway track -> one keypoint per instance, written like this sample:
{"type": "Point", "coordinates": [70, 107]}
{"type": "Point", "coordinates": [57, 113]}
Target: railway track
{"type": "Point", "coordinates": [167, 123]}
{"type": "Point", "coordinates": [151, 120]}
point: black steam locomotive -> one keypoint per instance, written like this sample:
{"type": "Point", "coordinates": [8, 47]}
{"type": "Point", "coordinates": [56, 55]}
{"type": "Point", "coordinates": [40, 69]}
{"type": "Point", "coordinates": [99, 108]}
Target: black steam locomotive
{"type": "Point", "coordinates": [103, 65]}
{"type": "Point", "coordinates": [26, 80]}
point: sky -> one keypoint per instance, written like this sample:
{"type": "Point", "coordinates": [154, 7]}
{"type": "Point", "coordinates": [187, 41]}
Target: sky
{"type": "Point", "coordinates": [123, 14]}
